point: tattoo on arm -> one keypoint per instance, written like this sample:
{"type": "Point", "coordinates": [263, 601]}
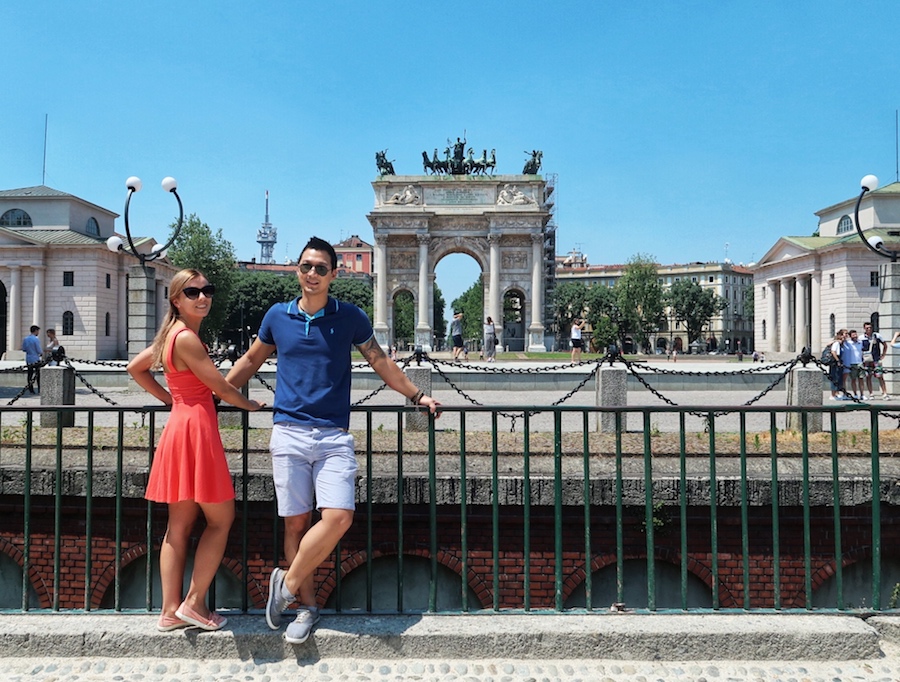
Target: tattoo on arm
{"type": "Point", "coordinates": [371, 351]}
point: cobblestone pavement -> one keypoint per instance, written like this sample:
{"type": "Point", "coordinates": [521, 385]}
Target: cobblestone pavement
{"type": "Point", "coordinates": [340, 670]}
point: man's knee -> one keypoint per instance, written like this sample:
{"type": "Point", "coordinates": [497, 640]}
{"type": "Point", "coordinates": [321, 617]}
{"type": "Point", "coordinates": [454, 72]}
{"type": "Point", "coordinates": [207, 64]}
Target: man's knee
{"type": "Point", "coordinates": [339, 519]}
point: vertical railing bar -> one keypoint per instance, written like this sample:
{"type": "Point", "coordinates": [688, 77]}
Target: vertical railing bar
{"type": "Point", "coordinates": [648, 514]}
{"type": "Point", "coordinates": [369, 525]}
{"type": "Point", "coordinates": [876, 510]}
{"type": "Point", "coordinates": [526, 508]}
{"type": "Point", "coordinates": [463, 517]}
{"type": "Point", "coordinates": [588, 553]}
{"type": "Point", "coordinates": [557, 512]}
{"type": "Point", "coordinates": [745, 512]}
{"type": "Point", "coordinates": [401, 548]}
{"type": "Point", "coordinates": [620, 532]}
{"type": "Point", "coordinates": [836, 496]}
{"type": "Point", "coordinates": [432, 512]}
{"type": "Point", "coordinates": [807, 519]}
{"type": "Point", "coordinates": [148, 566]}
{"type": "Point", "coordinates": [120, 451]}
{"type": "Point", "coordinates": [57, 512]}
{"type": "Point", "coordinates": [26, 508]}
{"type": "Point", "coordinates": [88, 512]}
{"type": "Point", "coordinates": [713, 511]}
{"type": "Point", "coordinates": [683, 504]}
{"type": "Point", "coordinates": [776, 529]}
{"type": "Point", "coordinates": [495, 515]}
{"type": "Point", "coordinates": [245, 509]}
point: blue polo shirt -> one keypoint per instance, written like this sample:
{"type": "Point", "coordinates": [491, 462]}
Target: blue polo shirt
{"type": "Point", "coordinates": [313, 376]}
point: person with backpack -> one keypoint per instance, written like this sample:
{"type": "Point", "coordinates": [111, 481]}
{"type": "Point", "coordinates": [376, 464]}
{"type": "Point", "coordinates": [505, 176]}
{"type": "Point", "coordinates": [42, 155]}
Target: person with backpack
{"type": "Point", "coordinates": [832, 356]}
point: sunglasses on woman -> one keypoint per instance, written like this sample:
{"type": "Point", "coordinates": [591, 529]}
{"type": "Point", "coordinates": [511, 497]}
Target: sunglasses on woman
{"type": "Point", "coordinates": [193, 293]}
{"type": "Point", "coordinates": [321, 270]}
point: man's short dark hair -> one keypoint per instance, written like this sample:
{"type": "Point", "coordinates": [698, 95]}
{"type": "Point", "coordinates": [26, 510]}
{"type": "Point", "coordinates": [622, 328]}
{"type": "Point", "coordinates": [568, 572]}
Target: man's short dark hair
{"type": "Point", "coordinates": [317, 244]}
{"type": "Point", "coordinates": [35, 328]}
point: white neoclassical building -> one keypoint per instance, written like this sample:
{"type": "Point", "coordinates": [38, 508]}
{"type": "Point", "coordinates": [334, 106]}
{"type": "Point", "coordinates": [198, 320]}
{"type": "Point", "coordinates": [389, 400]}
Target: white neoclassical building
{"type": "Point", "coordinates": [56, 271]}
{"type": "Point", "coordinates": [806, 288]}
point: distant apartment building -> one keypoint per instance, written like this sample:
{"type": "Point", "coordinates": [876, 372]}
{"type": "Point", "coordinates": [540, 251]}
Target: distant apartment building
{"type": "Point", "coordinates": [56, 272]}
{"type": "Point", "coordinates": [730, 331]}
{"type": "Point", "coordinates": [806, 288]}
{"type": "Point", "coordinates": [354, 259]}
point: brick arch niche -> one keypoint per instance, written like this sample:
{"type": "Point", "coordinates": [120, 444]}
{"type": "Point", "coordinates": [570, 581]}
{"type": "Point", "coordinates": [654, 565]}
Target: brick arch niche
{"type": "Point", "coordinates": [500, 221]}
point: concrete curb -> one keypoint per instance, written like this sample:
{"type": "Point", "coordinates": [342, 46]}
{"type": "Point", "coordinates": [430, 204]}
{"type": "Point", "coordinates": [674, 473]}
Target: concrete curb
{"type": "Point", "coordinates": [688, 637]}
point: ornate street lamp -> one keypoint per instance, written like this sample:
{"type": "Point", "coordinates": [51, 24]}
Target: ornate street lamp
{"type": "Point", "coordinates": [115, 243]}
{"type": "Point", "coordinates": [875, 243]}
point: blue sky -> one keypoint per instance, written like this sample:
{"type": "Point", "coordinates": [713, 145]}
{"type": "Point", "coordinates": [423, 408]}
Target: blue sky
{"type": "Point", "coordinates": [674, 128]}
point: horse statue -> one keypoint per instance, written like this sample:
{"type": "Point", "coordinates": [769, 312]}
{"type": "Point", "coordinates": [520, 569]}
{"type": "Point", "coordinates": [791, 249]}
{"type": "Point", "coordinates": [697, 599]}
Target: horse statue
{"type": "Point", "coordinates": [533, 165]}
{"type": "Point", "coordinates": [439, 165]}
{"type": "Point", "coordinates": [385, 167]}
{"type": "Point", "coordinates": [480, 165]}
{"type": "Point", "coordinates": [492, 162]}
{"type": "Point", "coordinates": [469, 163]}
{"type": "Point", "coordinates": [428, 164]}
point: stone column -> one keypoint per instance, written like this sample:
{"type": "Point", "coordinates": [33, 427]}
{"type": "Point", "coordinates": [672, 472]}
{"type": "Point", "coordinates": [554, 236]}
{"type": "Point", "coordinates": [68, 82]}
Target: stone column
{"type": "Point", "coordinates": [37, 297]}
{"type": "Point", "coordinates": [14, 339]}
{"type": "Point", "coordinates": [612, 391]}
{"type": "Point", "coordinates": [889, 318]}
{"type": "Point", "coordinates": [536, 328]}
{"type": "Point", "coordinates": [815, 333]}
{"type": "Point", "coordinates": [423, 325]}
{"type": "Point", "coordinates": [771, 316]}
{"type": "Point", "coordinates": [784, 320]}
{"type": "Point", "coordinates": [380, 302]}
{"type": "Point", "coordinates": [57, 388]}
{"type": "Point", "coordinates": [494, 289]}
{"type": "Point", "coordinates": [801, 338]}
{"type": "Point", "coordinates": [805, 390]}
{"type": "Point", "coordinates": [421, 377]}
{"type": "Point", "coordinates": [141, 308]}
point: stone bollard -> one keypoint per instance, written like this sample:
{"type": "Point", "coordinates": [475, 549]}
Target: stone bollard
{"type": "Point", "coordinates": [421, 377]}
{"type": "Point", "coordinates": [612, 391]}
{"type": "Point", "coordinates": [233, 419]}
{"type": "Point", "coordinates": [57, 388]}
{"type": "Point", "coordinates": [804, 389]}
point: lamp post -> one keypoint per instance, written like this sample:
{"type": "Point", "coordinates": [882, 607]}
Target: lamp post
{"type": "Point", "coordinates": [889, 273]}
{"type": "Point", "coordinates": [142, 307]}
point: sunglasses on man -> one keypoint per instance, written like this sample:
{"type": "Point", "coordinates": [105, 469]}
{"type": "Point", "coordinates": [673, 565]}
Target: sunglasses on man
{"type": "Point", "coordinates": [193, 293]}
{"type": "Point", "coordinates": [321, 270]}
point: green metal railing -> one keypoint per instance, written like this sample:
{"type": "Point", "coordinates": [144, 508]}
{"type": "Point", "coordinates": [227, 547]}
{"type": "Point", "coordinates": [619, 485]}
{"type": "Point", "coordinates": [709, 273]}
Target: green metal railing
{"type": "Point", "coordinates": [542, 520]}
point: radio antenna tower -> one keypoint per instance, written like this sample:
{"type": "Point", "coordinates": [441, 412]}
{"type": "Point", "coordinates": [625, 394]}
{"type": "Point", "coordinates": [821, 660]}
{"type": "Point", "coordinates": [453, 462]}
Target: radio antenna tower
{"type": "Point", "coordinates": [266, 237]}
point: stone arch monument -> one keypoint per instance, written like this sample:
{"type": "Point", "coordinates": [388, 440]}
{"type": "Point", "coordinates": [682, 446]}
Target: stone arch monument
{"type": "Point", "coordinates": [500, 221]}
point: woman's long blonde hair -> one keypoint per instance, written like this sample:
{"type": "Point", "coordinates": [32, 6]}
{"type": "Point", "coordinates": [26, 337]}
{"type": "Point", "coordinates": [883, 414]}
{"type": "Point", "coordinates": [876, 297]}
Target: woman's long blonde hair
{"type": "Point", "coordinates": [176, 286]}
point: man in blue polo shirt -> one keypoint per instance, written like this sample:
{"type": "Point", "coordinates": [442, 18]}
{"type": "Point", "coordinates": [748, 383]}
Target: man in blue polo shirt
{"type": "Point", "coordinates": [312, 451]}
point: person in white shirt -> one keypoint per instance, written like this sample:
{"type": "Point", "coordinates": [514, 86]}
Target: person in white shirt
{"type": "Point", "coordinates": [835, 370]}
{"type": "Point", "coordinates": [874, 347]}
{"type": "Point", "coordinates": [575, 338]}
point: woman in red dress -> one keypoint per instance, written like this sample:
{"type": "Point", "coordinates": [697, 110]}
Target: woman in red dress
{"type": "Point", "coordinates": [189, 471]}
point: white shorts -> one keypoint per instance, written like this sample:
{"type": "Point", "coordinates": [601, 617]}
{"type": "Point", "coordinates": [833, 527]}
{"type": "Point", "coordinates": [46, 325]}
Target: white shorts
{"type": "Point", "coordinates": [307, 459]}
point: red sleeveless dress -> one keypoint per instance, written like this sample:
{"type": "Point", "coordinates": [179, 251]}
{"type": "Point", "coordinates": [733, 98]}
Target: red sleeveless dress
{"type": "Point", "coordinates": [189, 463]}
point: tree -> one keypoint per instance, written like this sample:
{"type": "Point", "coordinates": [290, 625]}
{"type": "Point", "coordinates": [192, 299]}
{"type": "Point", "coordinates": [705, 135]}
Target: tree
{"type": "Point", "coordinates": [695, 306]}
{"type": "Point", "coordinates": [568, 303]}
{"type": "Point", "coordinates": [440, 324]}
{"type": "Point", "coordinates": [354, 291]}
{"type": "Point", "coordinates": [471, 303]}
{"type": "Point", "coordinates": [404, 317]}
{"type": "Point", "coordinates": [253, 294]}
{"type": "Point", "coordinates": [641, 298]}
{"type": "Point", "coordinates": [197, 247]}
{"type": "Point", "coordinates": [604, 315]}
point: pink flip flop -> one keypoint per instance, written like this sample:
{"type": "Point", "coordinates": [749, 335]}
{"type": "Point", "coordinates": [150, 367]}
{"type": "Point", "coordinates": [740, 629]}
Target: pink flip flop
{"type": "Point", "coordinates": [169, 623]}
{"type": "Point", "coordinates": [212, 622]}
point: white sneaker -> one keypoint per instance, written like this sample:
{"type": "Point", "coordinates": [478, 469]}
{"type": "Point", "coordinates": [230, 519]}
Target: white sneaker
{"type": "Point", "coordinates": [885, 396]}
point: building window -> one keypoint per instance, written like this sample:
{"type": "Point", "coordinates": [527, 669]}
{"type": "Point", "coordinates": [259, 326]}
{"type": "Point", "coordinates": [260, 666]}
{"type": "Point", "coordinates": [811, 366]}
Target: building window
{"type": "Point", "coordinates": [107, 321]}
{"type": "Point", "coordinates": [845, 224]}
{"type": "Point", "coordinates": [764, 330]}
{"type": "Point", "coordinates": [68, 327]}
{"type": "Point", "coordinates": [92, 227]}
{"type": "Point", "coordinates": [108, 281]}
{"type": "Point", "coordinates": [763, 289]}
{"type": "Point", "coordinates": [831, 285]}
{"type": "Point", "coordinates": [875, 320]}
{"type": "Point", "coordinates": [832, 326]}
{"type": "Point", "coordinates": [68, 278]}
{"type": "Point", "coordinates": [873, 278]}
{"type": "Point", "coordinates": [712, 278]}
{"type": "Point", "coordinates": [15, 217]}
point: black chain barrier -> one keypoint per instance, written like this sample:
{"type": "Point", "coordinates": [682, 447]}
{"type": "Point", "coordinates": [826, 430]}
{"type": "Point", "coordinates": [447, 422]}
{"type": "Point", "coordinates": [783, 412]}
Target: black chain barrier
{"type": "Point", "coordinates": [633, 367]}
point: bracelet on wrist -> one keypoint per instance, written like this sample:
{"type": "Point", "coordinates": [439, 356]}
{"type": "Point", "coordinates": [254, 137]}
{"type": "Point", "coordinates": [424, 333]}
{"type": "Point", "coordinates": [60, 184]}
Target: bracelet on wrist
{"type": "Point", "coordinates": [417, 397]}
